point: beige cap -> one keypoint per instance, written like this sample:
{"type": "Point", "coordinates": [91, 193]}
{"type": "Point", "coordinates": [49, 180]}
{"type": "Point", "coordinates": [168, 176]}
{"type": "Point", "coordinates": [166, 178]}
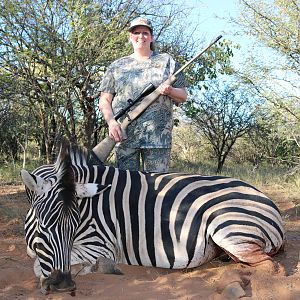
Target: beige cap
{"type": "Point", "coordinates": [140, 22]}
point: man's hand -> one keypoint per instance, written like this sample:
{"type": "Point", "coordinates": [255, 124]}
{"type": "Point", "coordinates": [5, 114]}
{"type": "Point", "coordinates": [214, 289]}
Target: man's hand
{"type": "Point", "coordinates": [115, 131]}
{"type": "Point", "coordinates": [179, 95]}
{"type": "Point", "coordinates": [165, 89]}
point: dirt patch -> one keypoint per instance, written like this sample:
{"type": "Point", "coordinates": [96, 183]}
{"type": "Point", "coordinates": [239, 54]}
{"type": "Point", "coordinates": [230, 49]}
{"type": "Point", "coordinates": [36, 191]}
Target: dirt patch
{"type": "Point", "coordinates": [216, 280]}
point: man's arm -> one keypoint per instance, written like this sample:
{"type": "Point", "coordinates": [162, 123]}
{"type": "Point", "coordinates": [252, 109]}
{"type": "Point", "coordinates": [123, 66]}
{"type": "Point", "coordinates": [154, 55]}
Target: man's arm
{"type": "Point", "coordinates": [179, 95]}
{"type": "Point", "coordinates": [114, 128]}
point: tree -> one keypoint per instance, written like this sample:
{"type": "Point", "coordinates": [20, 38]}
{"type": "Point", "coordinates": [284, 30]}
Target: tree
{"type": "Point", "coordinates": [15, 122]}
{"type": "Point", "coordinates": [223, 114]}
{"type": "Point", "coordinates": [56, 52]}
{"type": "Point", "coordinates": [53, 51]}
{"type": "Point", "coordinates": [269, 139]}
{"type": "Point", "coordinates": [274, 72]}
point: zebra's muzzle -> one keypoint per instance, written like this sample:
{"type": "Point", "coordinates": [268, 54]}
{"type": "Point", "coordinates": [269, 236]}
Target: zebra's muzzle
{"type": "Point", "coordinates": [58, 282]}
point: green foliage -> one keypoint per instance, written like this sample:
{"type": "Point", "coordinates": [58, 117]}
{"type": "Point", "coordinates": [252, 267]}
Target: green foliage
{"type": "Point", "coordinates": [192, 153]}
{"type": "Point", "coordinates": [222, 115]}
{"type": "Point", "coordinates": [10, 173]}
{"type": "Point", "coordinates": [216, 61]}
{"type": "Point", "coordinates": [53, 55]}
{"type": "Point", "coordinates": [14, 120]}
{"type": "Point", "coordinates": [56, 52]}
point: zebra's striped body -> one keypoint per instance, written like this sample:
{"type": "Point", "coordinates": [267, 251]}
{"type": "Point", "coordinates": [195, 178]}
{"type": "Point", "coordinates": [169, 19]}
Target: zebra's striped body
{"type": "Point", "coordinates": [163, 220]}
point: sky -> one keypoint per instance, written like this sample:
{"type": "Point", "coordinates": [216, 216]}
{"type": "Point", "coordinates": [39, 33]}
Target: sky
{"type": "Point", "coordinates": [211, 15]}
{"type": "Point", "coordinates": [213, 19]}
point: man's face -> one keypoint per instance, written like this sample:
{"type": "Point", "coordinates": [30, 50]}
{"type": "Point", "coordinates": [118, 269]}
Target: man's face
{"type": "Point", "coordinates": [141, 37]}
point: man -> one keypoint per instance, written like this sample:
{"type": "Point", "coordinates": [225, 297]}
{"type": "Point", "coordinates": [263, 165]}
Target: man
{"type": "Point", "coordinates": [150, 136]}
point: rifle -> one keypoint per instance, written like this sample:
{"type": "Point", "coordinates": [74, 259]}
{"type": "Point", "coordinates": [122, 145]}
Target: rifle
{"type": "Point", "coordinates": [103, 149]}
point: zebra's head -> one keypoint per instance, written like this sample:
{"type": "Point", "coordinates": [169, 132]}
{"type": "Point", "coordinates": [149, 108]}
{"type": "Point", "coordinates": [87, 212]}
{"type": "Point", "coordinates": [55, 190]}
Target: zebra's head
{"type": "Point", "coordinates": [53, 191]}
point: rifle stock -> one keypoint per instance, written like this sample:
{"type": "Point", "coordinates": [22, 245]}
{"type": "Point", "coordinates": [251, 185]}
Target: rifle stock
{"type": "Point", "coordinates": [103, 149]}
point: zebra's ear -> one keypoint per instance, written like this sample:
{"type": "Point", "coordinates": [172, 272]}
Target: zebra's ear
{"type": "Point", "coordinates": [35, 183]}
{"type": "Point", "coordinates": [86, 190]}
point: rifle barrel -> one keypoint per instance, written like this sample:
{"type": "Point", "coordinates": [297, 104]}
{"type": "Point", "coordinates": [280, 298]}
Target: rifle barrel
{"type": "Point", "coordinates": [197, 55]}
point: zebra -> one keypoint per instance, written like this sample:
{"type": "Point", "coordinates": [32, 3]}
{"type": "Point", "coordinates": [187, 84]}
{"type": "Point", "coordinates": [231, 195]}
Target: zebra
{"type": "Point", "coordinates": [84, 213]}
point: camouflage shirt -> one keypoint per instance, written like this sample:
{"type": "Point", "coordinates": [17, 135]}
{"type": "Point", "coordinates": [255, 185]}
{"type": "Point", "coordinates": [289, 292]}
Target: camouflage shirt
{"type": "Point", "coordinates": [125, 79]}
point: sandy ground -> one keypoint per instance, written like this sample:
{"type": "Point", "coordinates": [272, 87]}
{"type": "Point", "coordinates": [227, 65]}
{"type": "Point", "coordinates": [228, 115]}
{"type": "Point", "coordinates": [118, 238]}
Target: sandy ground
{"type": "Point", "coordinates": [216, 280]}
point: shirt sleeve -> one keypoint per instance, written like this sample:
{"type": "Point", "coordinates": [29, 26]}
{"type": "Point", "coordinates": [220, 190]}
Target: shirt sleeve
{"type": "Point", "coordinates": [108, 82]}
{"type": "Point", "coordinates": [180, 81]}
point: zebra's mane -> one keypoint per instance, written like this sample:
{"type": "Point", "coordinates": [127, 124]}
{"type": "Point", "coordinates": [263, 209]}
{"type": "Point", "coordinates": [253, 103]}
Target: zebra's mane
{"type": "Point", "coordinates": [65, 174]}
{"type": "Point", "coordinates": [80, 156]}
{"type": "Point", "coordinates": [72, 160]}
